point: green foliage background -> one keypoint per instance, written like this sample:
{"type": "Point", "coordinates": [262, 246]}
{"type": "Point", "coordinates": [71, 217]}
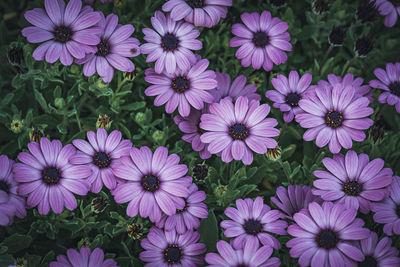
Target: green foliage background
{"type": "Point", "coordinates": [65, 104]}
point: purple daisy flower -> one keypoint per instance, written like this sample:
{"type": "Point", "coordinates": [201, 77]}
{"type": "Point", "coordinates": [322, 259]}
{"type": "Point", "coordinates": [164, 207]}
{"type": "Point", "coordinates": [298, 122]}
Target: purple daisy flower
{"type": "Point", "coordinates": [186, 219]}
{"type": "Point", "coordinates": [83, 258]}
{"type": "Point", "coordinates": [182, 89]}
{"type": "Point", "coordinates": [324, 236]}
{"type": "Point", "coordinates": [263, 40]}
{"type": "Point", "coordinates": [48, 178]}
{"type": "Point", "coordinates": [10, 203]}
{"type": "Point", "coordinates": [388, 211]}
{"type": "Point", "coordinates": [253, 220]}
{"type": "Point", "coordinates": [293, 199]}
{"type": "Point", "coordinates": [68, 31]}
{"type": "Point", "coordinates": [251, 255]}
{"type": "Point", "coordinates": [238, 129]}
{"type": "Point", "coordinates": [100, 154]}
{"type": "Point", "coordinates": [154, 183]}
{"type": "Point", "coordinates": [378, 254]}
{"type": "Point", "coordinates": [288, 93]}
{"type": "Point", "coordinates": [353, 180]}
{"type": "Point", "coordinates": [172, 249]}
{"type": "Point", "coordinates": [333, 116]}
{"type": "Point", "coordinates": [389, 81]}
{"type": "Point", "coordinates": [389, 9]}
{"type": "Point", "coordinates": [171, 44]}
{"type": "Point", "coordinates": [113, 51]}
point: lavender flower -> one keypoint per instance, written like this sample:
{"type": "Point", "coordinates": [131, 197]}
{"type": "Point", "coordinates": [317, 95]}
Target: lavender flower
{"type": "Point", "coordinates": [389, 9]}
{"type": "Point", "coordinates": [263, 40]}
{"type": "Point", "coordinates": [83, 258]}
{"type": "Point", "coordinates": [68, 31]}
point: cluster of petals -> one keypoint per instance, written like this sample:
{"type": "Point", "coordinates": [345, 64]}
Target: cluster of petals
{"type": "Point", "coordinates": [389, 10]}
{"type": "Point", "coordinates": [84, 258]}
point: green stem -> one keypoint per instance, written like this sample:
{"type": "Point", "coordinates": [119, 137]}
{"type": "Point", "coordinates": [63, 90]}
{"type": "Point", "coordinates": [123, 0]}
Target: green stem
{"type": "Point", "coordinates": [326, 56]}
{"type": "Point", "coordinates": [348, 64]}
{"type": "Point", "coordinates": [210, 46]}
{"type": "Point", "coordinates": [284, 170]}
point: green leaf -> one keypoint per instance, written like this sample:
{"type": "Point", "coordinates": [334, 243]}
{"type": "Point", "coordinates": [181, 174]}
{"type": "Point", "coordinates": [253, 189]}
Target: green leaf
{"type": "Point", "coordinates": [48, 258]}
{"type": "Point", "coordinates": [134, 106]}
{"type": "Point", "coordinates": [17, 242]}
{"type": "Point", "coordinates": [6, 260]}
{"type": "Point", "coordinates": [209, 231]}
{"type": "Point", "coordinates": [40, 99]}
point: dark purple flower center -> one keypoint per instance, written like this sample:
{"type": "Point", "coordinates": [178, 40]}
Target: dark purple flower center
{"type": "Point", "coordinates": [252, 227]}
{"type": "Point", "coordinates": [334, 118]}
{"type": "Point", "coordinates": [368, 262]}
{"type": "Point", "coordinates": [395, 88]}
{"type": "Point", "coordinates": [62, 34]}
{"type": "Point", "coordinates": [184, 208]}
{"type": "Point", "coordinates": [195, 3]}
{"type": "Point", "coordinates": [4, 186]}
{"type": "Point", "coordinates": [101, 160]}
{"type": "Point", "coordinates": [327, 239]}
{"type": "Point", "coordinates": [242, 265]}
{"type": "Point", "coordinates": [260, 39]}
{"type": "Point", "coordinates": [398, 211]}
{"type": "Point", "coordinates": [173, 254]}
{"type": "Point", "coordinates": [169, 42]}
{"type": "Point", "coordinates": [352, 188]}
{"type": "Point", "coordinates": [293, 99]}
{"type": "Point", "coordinates": [150, 183]}
{"type": "Point", "coordinates": [180, 84]}
{"type": "Point", "coordinates": [103, 48]}
{"type": "Point", "coordinates": [239, 131]}
{"type": "Point", "coordinates": [51, 176]}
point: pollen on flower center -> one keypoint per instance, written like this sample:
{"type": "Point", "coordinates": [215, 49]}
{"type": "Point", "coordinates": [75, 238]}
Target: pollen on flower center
{"type": "Point", "coordinates": [169, 42]}
{"type": "Point", "coordinates": [101, 160]}
{"type": "Point", "coordinates": [150, 183]}
{"type": "Point", "coordinates": [368, 262]}
{"type": "Point", "coordinates": [260, 39]}
{"type": "Point", "coordinates": [173, 254]}
{"type": "Point", "coordinates": [252, 227]}
{"type": "Point", "coordinates": [293, 99]}
{"type": "Point", "coordinates": [239, 131]}
{"type": "Point", "coordinates": [195, 3]}
{"type": "Point", "coordinates": [4, 186]}
{"type": "Point", "coordinates": [352, 188]}
{"type": "Point", "coordinates": [62, 34]}
{"type": "Point", "coordinates": [51, 176]}
{"type": "Point", "coordinates": [334, 118]}
{"type": "Point", "coordinates": [327, 239]}
{"type": "Point", "coordinates": [395, 88]}
{"type": "Point", "coordinates": [180, 84]}
{"type": "Point", "coordinates": [103, 48]}
{"type": "Point", "coordinates": [184, 208]}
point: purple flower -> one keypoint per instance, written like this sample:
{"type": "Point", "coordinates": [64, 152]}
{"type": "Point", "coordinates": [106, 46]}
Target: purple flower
{"type": "Point", "coordinates": [10, 203]}
{"type": "Point", "coordinates": [251, 255]}
{"type": "Point", "coordinates": [186, 219]}
{"type": "Point", "coordinates": [171, 44]}
{"type": "Point", "coordinates": [182, 89]}
{"type": "Point", "coordinates": [378, 253]}
{"type": "Point", "coordinates": [353, 180]}
{"type": "Point", "coordinates": [288, 93]}
{"type": "Point", "coordinates": [100, 154]}
{"type": "Point", "coordinates": [67, 31]}
{"type": "Point", "coordinates": [334, 116]}
{"type": "Point", "coordinates": [389, 81]}
{"type": "Point", "coordinates": [388, 211]}
{"type": "Point", "coordinates": [48, 178]}
{"type": "Point", "coordinates": [253, 220]}
{"type": "Point", "coordinates": [172, 249]}
{"type": "Point", "coordinates": [293, 199]}
{"type": "Point", "coordinates": [238, 129]}
{"type": "Point", "coordinates": [83, 258]}
{"type": "Point", "coordinates": [324, 236]}
{"type": "Point", "coordinates": [154, 183]}
{"type": "Point", "coordinates": [114, 48]}
{"type": "Point", "coordinates": [263, 40]}
{"type": "Point", "coordinates": [389, 9]}
{"type": "Point", "coordinates": [203, 13]}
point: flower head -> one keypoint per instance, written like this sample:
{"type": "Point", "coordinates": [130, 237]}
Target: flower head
{"type": "Point", "coordinates": [388, 211]}
{"type": "Point", "coordinates": [389, 82]}
{"type": "Point", "coordinates": [172, 249]}
{"type": "Point", "coordinates": [389, 9]}
{"type": "Point", "coordinates": [83, 258]}
{"type": "Point", "coordinates": [251, 255]}
{"type": "Point", "coordinates": [100, 154]}
{"type": "Point", "coordinates": [170, 44]}
{"type": "Point", "coordinates": [337, 36]}
{"type": "Point", "coordinates": [68, 32]}
{"type": "Point", "coordinates": [154, 183]}
{"type": "Point", "coordinates": [48, 178]}
{"type": "Point", "coordinates": [335, 117]}
{"type": "Point", "coordinates": [288, 93]}
{"type": "Point", "coordinates": [253, 220]}
{"type": "Point", "coordinates": [324, 235]}
{"type": "Point", "coordinates": [112, 51]}
{"type": "Point", "coordinates": [238, 129]}
{"type": "Point", "coordinates": [263, 40]}
{"type": "Point", "coordinates": [363, 46]}
{"type": "Point", "coordinates": [203, 13]}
